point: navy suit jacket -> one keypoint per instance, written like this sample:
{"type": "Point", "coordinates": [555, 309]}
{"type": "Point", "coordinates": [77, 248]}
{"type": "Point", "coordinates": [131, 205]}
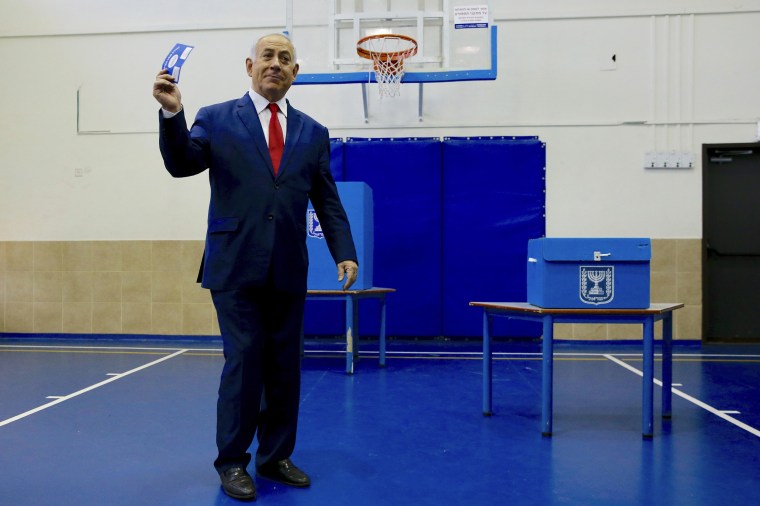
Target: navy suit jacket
{"type": "Point", "coordinates": [256, 221]}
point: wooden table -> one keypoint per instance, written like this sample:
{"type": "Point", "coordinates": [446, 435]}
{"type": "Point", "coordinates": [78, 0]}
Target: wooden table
{"type": "Point", "coordinates": [548, 317]}
{"type": "Point", "coordinates": [351, 299]}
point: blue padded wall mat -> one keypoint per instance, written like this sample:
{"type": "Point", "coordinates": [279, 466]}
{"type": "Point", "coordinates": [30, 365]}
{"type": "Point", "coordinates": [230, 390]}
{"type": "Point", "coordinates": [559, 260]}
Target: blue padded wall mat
{"type": "Point", "coordinates": [405, 177]}
{"type": "Point", "coordinates": [336, 159]}
{"type": "Point", "coordinates": [493, 202]}
{"type": "Point", "coordinates": [452, 221]}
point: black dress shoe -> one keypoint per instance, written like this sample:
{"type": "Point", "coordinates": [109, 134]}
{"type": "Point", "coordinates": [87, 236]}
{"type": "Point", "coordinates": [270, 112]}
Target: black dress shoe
{"type": "Point", "coordinates": [237, 483]}
{"type": "Point", "coordinates": [284, 472]}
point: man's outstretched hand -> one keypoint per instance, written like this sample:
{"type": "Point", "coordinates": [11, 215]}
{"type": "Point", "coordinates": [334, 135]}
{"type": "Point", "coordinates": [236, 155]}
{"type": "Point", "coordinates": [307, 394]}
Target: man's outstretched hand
{"type": "Point", "coordinates": [348, 269]}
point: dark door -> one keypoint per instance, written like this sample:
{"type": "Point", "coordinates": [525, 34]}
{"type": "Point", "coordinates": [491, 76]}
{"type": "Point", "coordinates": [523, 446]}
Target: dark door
{"type": "Point", "coordinates": [731, 241]}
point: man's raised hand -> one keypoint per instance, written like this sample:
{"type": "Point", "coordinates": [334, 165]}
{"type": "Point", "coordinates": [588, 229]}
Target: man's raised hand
{"type": "Point", "coordinates": [166, 92]}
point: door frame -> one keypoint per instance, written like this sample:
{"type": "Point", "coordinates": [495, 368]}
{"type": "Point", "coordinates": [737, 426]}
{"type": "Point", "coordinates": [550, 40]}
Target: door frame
{"type": "Point", "coordinates": [706, 150]}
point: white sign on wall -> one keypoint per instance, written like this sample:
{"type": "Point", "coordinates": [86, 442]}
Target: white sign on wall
{"type": "Point", "coordinates": [471, 16]}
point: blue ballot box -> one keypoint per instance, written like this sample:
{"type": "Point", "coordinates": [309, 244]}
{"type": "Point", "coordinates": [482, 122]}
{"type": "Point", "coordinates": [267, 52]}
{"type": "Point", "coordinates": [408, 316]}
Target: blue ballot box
{"type": "Point", "coordinates": [589, 272]}
{"type": "Point", "coordinates": [323, 275]}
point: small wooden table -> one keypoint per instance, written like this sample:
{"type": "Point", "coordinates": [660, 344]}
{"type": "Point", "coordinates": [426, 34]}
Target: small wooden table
{"type": "Point", "coordinates": [352, 317]}
{"type": "Point", "coordinates": [548, 317]}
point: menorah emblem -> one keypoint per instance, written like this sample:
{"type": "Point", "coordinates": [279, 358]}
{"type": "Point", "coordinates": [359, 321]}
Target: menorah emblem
{"type": "Point", "coordinates": [313, 227]}
{"type": "Point", "coordinates": [597, 284]}
{"type": "Point", "coordinates": [596, 277]}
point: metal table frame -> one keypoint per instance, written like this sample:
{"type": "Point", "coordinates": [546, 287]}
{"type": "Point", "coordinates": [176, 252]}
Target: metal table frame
{"type": "Point", "coordinates": [548, 317]}
{"type": "Point", "coordinates": [351, 299]}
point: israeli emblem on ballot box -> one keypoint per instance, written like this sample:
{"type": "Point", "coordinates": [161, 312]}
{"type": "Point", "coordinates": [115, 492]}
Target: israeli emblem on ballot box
{"type": "Point", "coordinates": [583, 272]}
{"type": "Point", "coordinates": [313, 228]}
{"type": "Point", "coordinates": [597, 284]}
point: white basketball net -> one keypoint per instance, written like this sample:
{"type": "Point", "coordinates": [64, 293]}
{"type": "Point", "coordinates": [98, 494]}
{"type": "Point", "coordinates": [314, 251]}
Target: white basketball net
{"type": "Point", "coordinates": [388, 75]}
{"type": "Point", "coordinates": [388, 55]}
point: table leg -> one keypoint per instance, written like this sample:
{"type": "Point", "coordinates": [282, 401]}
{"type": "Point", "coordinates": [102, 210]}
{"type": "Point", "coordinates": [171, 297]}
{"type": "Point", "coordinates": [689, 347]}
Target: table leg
{"type": "Point", "coordinates": [487, 377]}
{"type": "Point", "coordinates": [667, 365]}
{"type": "Point", "coordinates": [356, 327]}
{"type": "Point", "coordinates": [382, 331]}
{"type": "Point", "coordinates": [349, 334]}
{"type": "Point", "coordinates": [647, 416]}
{"type": "Point", "coordinates": [547, 376]}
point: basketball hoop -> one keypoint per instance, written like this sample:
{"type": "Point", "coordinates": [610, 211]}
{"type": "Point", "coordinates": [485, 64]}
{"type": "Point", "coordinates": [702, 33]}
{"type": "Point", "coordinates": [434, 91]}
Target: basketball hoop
{"type": "Point", "coordinates": [387, 52]}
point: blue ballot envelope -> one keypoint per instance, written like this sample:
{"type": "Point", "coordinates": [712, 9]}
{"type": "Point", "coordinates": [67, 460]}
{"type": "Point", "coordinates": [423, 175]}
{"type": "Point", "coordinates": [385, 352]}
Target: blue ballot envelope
{"type": "Point", "coordinates": [323, 275]}
{"type": "Point", "coordinates": [589, 272]}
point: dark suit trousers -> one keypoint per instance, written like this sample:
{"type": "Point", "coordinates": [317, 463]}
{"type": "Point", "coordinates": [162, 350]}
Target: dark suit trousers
{"type": "Point", "coordinates": [259, 391]}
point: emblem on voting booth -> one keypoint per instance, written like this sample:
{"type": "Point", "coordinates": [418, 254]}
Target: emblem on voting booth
{"type": "Point", "coordinates": [597, 284]}
{"type": "Point", "coordinates": [356, 198]}
{"type": "Point", "coordinates": [313, 228]}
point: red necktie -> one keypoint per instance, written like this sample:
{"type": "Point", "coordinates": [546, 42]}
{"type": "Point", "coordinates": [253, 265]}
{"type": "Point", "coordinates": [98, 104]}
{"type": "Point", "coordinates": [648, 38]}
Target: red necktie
{"type": "Point", "coordinates": [276, 142]}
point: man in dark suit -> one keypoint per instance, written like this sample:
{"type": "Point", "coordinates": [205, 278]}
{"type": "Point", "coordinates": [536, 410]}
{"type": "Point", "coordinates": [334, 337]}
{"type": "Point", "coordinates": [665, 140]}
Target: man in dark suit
{"type": "Point", "coordinates": [265, 161]}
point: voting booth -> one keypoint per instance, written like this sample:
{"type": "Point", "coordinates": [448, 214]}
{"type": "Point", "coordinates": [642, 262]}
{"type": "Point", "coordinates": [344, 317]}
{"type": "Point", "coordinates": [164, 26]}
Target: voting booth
{"type": "Point", "coordinates": [589, 272]}
{"type": "Point", "coordinates": [357, 201]}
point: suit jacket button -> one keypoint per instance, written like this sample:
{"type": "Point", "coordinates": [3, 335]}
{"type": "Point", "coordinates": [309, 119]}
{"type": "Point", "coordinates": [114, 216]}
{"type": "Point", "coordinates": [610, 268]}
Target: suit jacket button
{"type": "Point", "coordinates": [276, 187]}
{"type": "Point", "coordinates": [270, 217]}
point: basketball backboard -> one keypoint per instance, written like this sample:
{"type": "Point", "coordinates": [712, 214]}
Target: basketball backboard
{"type": "Point", "coordinates": [456, 38]}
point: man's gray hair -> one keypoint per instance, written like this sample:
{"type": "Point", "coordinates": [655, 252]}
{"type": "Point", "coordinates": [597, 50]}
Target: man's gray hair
{"type": "Point", "coordinates": [255, 44]}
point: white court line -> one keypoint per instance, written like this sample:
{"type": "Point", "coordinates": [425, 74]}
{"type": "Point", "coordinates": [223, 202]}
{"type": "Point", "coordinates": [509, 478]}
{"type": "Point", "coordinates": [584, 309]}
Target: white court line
{"type": "Point", "coordinates": [119, 348]}
{"type": "Point", "coordinates": [695, 355]}
{"type": "Point", "coordinates": [68, 347]}
{"type": "Point", "coordinates": [458, 353]}
{"type": "Point", "coordinates": [707, 407]}
{"type": "Point", "coordinates": [85, 390]}
{"type": "Point", "coordinates": [389, 352]}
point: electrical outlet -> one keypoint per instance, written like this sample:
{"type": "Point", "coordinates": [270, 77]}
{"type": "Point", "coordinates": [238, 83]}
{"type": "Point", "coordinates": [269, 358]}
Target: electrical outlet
{"type": "Point", "coordinates": [668, 160]}
{"type": "Point", "coordinates": [686, 160]}
{"type": "Point", "coordinates": [671, 159]}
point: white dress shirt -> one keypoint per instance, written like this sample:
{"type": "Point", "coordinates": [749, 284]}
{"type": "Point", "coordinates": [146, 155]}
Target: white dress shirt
{"type": "Point", "coordinates": [262, 109]}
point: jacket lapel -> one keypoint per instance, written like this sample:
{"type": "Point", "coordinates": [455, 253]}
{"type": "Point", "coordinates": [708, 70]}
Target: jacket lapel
{"type": "Point", "coordinates": [295, 125]}
{"type": "Point", "coordinates": [247, 114]}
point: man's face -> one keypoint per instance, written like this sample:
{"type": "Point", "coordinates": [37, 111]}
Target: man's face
{"type": "Point", "coordinates": [274, 68]}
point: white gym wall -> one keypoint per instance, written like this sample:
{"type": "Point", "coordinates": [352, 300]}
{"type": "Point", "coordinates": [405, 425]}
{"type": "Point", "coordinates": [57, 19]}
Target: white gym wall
{"type": "Point", "coordinates": [79, 155]}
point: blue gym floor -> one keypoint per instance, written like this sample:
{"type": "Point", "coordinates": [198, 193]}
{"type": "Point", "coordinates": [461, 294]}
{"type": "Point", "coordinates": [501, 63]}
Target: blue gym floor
{"type": "Point", "coordinates": [132, 423]}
